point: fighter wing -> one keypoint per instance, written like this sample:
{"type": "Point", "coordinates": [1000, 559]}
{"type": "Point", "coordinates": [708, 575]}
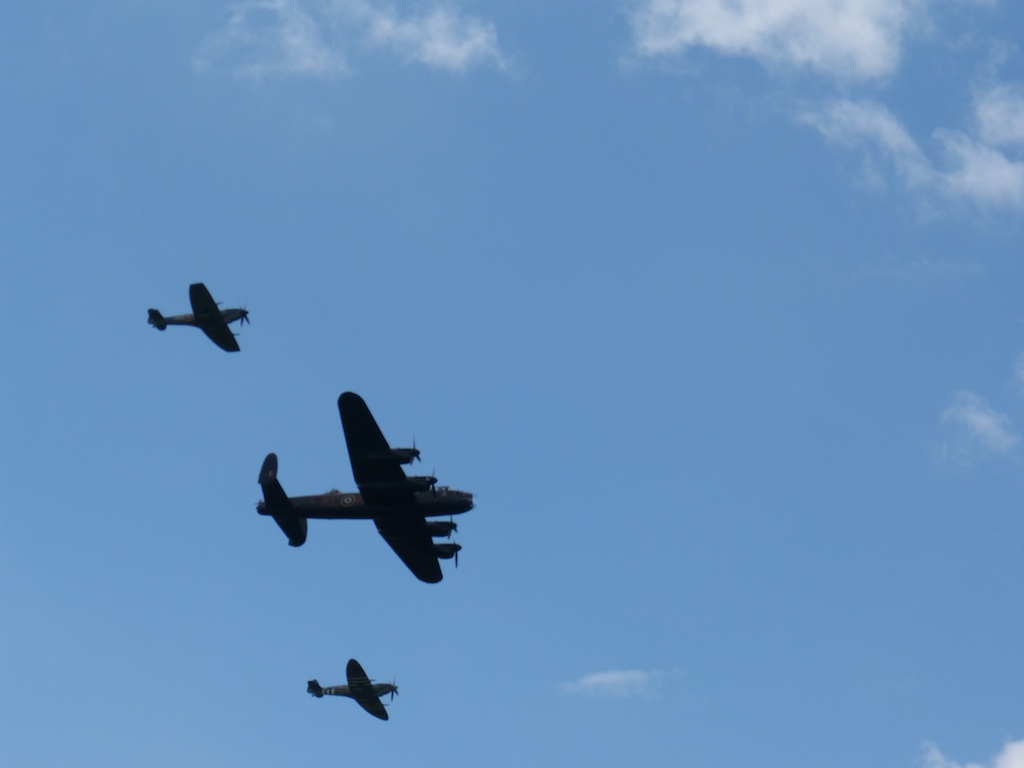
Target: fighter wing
{"type": "Point", "coordinates": [379, 476]}
{"type": "Point", "coordinates": [408, 536]}
{"type": "Point", "coordinates": [209, 320]}
{"type": "Point", "coordinates": [356, 674]}
{"type": "Point", "coordinates": [374, 706]}
{"type": "Point", "coordinates": [222, 336]}
{"type": "Point", "coordinates": [203, 305]}
{"type": "Point", "coordinates": [361, 688]}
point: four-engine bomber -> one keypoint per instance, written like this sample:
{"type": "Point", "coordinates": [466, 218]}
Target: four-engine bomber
{"type": "Point", "coordinates": [398, 504]}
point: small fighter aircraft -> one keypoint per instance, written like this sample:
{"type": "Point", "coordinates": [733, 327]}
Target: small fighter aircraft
{"type": "Point", "coordinates": [207, 316]}
{"type": "Point", "coordinates": [399, 505]}
{"type": "Point", "coordinates": [361, 688]}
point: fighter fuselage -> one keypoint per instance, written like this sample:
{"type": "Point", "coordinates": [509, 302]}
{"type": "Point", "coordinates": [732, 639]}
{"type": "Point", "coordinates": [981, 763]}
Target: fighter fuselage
{"type": "Point", "coordinates": [226, 316]}
{"type": "Point", "coordinates": [376, 689]}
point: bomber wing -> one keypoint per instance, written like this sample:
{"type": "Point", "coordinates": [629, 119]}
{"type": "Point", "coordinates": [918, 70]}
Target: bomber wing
{"type": "Point", "coordinates": [381, 481]}
{"type": "Point", "coordinates": [209, 319]}
{"type": "Point", "coordinates": [408, 536]}
{"type": "Point", "coordinates": [380, 477]}
{"type": "Point", "coordinates": [361, 688]}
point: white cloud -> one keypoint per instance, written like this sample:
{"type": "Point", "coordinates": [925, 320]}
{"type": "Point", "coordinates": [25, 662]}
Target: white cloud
{"type": "Point", "coordinates": [849, 39]}
{"type": "Point", "coordinates": [981, 424]}
{"type": "Point", "coordinates": [1000, 115]}
{"type": "Point", "coordinates": [854, 123]}
{"type": "Point", "coordinates": [1011, 756]}
{"type": "Point", "coordinates": [316, 37]}
{"type": "Point", "coordinates": [969, 170]}
{"type": "Point", "coordinates": [440, 38]}
{"type": "Point", "coordinates": [980, 173]}
{"type": "Point", "coordinates": [855, 41]}
{"type": "Point", "coordinates": [273, 37]}
{"type": "Point", "coordinates": [617, 683]}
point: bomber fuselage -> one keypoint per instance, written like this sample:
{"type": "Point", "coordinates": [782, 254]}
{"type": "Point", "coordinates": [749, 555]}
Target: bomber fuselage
{"type": "Point", "coordinates": [337, 505]}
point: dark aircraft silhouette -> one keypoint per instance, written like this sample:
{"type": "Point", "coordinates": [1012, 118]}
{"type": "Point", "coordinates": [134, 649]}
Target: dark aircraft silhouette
{"type": "Point", "coordinates": [207, 316]}
{"type": "Point", "coordinates": [361, 688]}
{"type": "Point", "coordinates": [399, 505]}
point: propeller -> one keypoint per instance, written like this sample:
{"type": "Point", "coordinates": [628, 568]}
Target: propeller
{"type": "Point", "coordinates": [244, 318]}
{"type": "Point", "coordinates": [394, 690]}
{"type": "Point", "coordinates": [415, 453]}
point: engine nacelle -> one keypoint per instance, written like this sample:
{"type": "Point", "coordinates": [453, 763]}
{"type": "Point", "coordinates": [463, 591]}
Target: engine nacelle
{"type": "Point", "coordinates": [396, 455]}
{"type": "Point", "coordinates": [405, 455]}
{"type": "Point", "coordinates": [447, 551]}
{"type": "Point", "coordinates": [442, 529]}
{"type": "Point", "coordinates": [421, 482]}
{"type": "Point", "coordinates": [416, 483]}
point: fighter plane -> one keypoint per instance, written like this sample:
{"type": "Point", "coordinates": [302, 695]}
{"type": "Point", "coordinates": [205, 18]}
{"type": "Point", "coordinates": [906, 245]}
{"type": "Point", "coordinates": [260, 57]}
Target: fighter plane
{"type": "Point", "coordinates": [207, 316]}
{"type": "Point", "coordinates": [361, 688]}
{"type": "Point", "coordinates": [398, 504]}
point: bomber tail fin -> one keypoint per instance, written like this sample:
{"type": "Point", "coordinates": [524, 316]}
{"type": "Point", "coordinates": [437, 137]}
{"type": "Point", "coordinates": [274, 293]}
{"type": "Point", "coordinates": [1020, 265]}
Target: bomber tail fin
{"type": "Point", "coordinates": [272, 490]}
{"type": "Point", "coordinates": [313, 687]}
{"type": "Point", "coordinates": [157, 320]}
{"type": "Point", "coordinates": [279, 505]}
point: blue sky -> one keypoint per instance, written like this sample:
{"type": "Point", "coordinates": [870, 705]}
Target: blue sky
{"type": "Point", "coordinates": [715, 306]}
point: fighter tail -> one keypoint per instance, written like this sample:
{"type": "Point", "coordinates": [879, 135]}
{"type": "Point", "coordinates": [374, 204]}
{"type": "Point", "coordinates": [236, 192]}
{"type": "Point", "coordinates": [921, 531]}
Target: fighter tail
{"type": "Point", "coordinates": [157, 320]}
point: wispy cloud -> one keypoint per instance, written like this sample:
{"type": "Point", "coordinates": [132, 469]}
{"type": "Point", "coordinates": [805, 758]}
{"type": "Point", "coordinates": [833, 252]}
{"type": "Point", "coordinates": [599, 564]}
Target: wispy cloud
{"type": "Point", "coordinates": [1011, 756]}
{"type": "Point", "coordinates": [265, 37]}
{"type": "Point", "coordinates": [980, 424]}
{"type": "Point", "coordinates": [439, 38]}
{"type": "Point", "coordinates": [1000, 115]}
{"type": "Point", "coordinates": [619, 683]}
{"type": "Point", "coordinates": [317, 38]}
{"type": "Point", "coordinates": [849, 39]}
{"type": "Point", "coordinates": [858, 43]}
{"type": "Point", "coordinates": [966, 169]}
{"type": "Point", "coordinates": [871, 125]}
